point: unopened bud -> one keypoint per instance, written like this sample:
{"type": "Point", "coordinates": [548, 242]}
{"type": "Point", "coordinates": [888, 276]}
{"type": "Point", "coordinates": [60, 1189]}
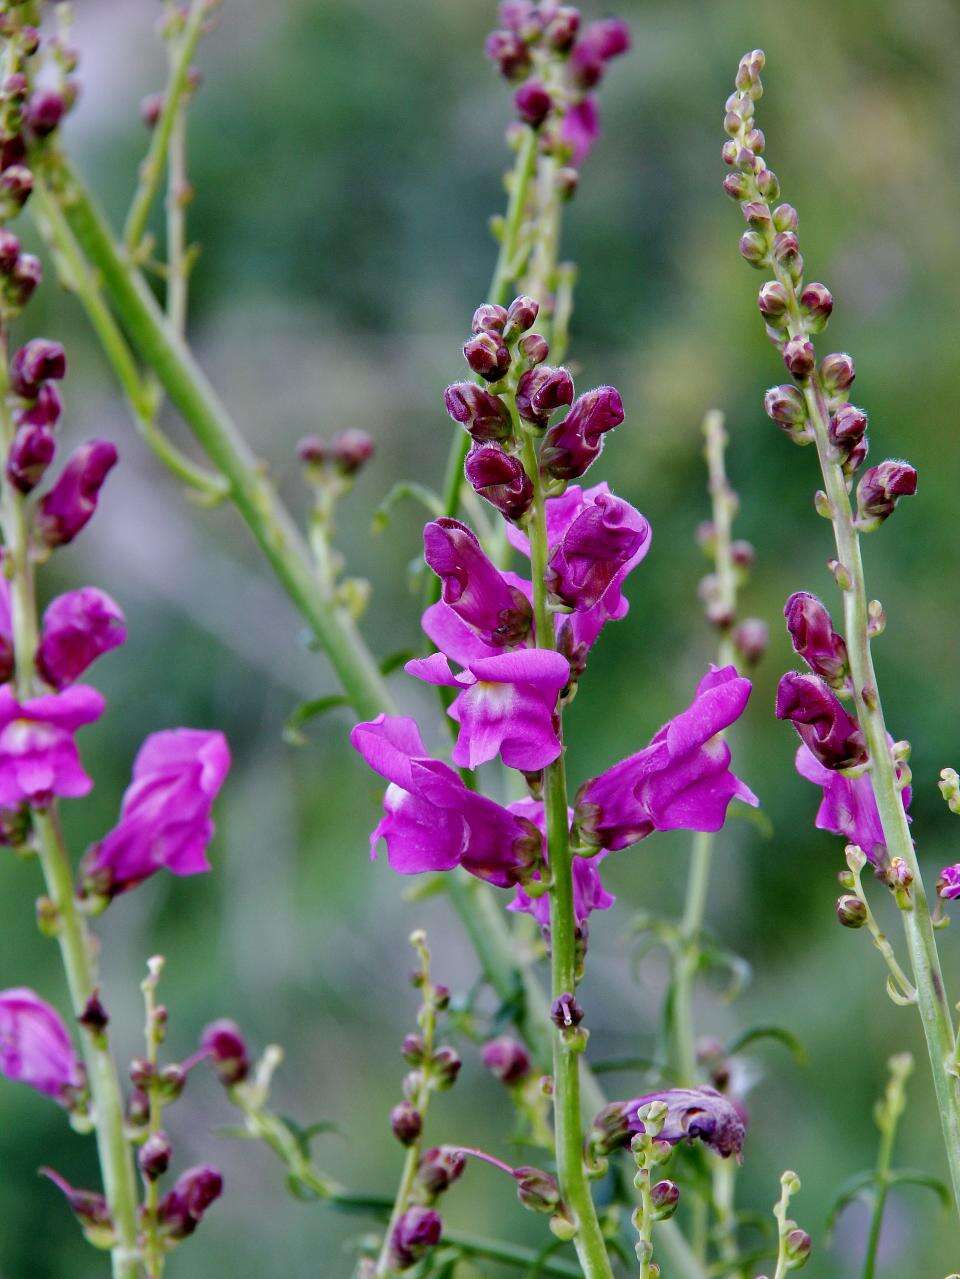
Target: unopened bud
{"type": "Point", "coordinates": [487, 356]}
{"type": "Point", "coordinates": [537, 1190]}
{"type": "Point", "coordinates": [799, 357]}
{"type": "Point", "coordinates": [488, 318]}
{"type": "Point", "coordinates": [837, 371]}
{"type": "Point", "coordinates": [797, 1246]}
{"type": "Point", "coordinates": [664, 1197]}
{"type": "Point", "coordinates": [851, 911]}
{"type": "Point", "coordinates": [406, 1122]}
{"type": "Point", "coordinates": [153, 1156]}
{"type": "Point", "coordinates": [773, 300]}
{"type": "Point", "coordinates": [444, 1067]}
{"type": "Point", "coordinates": [817, 302]}
{"type": "Point", "coordinates": [750, 639]}
{"type": "Point", "coordinates": [753, 247]}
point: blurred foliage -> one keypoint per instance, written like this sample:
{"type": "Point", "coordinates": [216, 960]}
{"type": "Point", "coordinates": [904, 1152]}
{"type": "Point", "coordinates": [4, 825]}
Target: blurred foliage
{"type": "Point", "coordinates": [346, 157]}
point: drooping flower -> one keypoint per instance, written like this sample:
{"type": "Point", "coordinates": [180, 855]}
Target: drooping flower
{"type": "Point", "coordinates": [432, 821]}
{"type": "Point", "coordinates": [814, 639]}
{"type": "Point", "coordinates": [478, 593]}
{"type": "Point", "coordinates": [72, 501]}
{"type": "Point", "coordinates": [38, 756]}
{"type": "Point", "coordinates": [183, 1207]}
{"type": "Point", "coordinates": [848, 807]}
{"type": "Point", "coordinates": [589, 893]}
{"type": "Point", "coordinates": [823, 725]}
{"type": "Point", "coordinates": [680, 781]}
{"type": "Point", "coordinates": [693, 1114]}
{"type": "Point", "coordinates": [35, 1045]}
{"type": "Point", "coordinates": [78, 627]}
{"type": "Point", "coordinates": [165, 814]}
{"type": "Point", "coordinates": [506, 706]}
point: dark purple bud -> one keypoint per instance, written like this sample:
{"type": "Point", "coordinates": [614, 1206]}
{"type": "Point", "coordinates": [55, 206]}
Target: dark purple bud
{"type": "Point", "coordinates": [485, 416]}
{"type": "Point", "coordinates": [799, 357]}
{"type": "Point", "coordinates": [571, 446]}
{"type": "Point", "coordinates": [586, 65]}
{"type": "Point", "coordinates": [824, 726]}
{"type": "Point", "coordinates": [536, 1189]}
{"type": "Point", "coordinates": [837, 372]}
{"type": "Point", "coordinates": [814, 639]}
{"type": "Point", "coordinates": [141, 1072]}
{"type": "Point", "coordinates": [533, 103]}
{"type": "Point", "coordinates": [226, 1047]}
{"type": "Point", "coordinates": [182, 1208]}
{"type": "Point", "coordinates": [487, 355]}
{"type": "Point", "coordinates": [153, 1157]}
{"type": "Point", "coordinates": [851, 911]}
{"type": "Point", "coordinates": [13, 151]}
{"type": "Point", "coordinates": [664, 1197]}
{"type": "Point", "coordinates": [351, 450]}
{"type": "Point", "coordinates": [565, 1012]}
{"type": "Point", "coordinates": [45, 409]}
{"type": "Point", "coordinates": [89, 1208]}
{"type": "Point", "coordinates": [411, 1049]}
{"type": "Point", "coordinates": [151, 108]}
{"type": "Point", "coordinates": [30, 454]}
{"type": "Point", "coordinates": [439, 1168]}
{"type": "Point", "coordinates": [848, 425]}
{"type": "Point", "coordinates": [489, 318]}
{"type": "Point", "coordinates": [473, 587]}
{"type": "Point", "coordinates": [773, 300]}
{"type": "Point", "coordinates": [521, 315]}
{"type": "Point", "coordinates": [37, 362]}
{"type": "Point", "coordinates": [94, 1016]}
{"type": "Point", "coordinates": [72, 501]}
{"type": "Point", "coordinates": [881, 488]}
{"type": "Point", "coordinates": [444, 1067]}
{"type": "Point", "coordinates": [406, 1122]}
{"type": "Point", "coordinates": [509, 52]}
{"type": "Point", "coordinates": [786, 406]}
{"type": "Point", "coordinates": [610, 37]}
{"type": "Point", "coordinates": [312, 450]}
{"type": "Point", "coordinates": [750, 639]}
{"type": "Point", "coordinates": [856, 457]}
{"type": "Point", "coordinates": [25, 278]}
{"type": "Point", "coordinates": [44, 112]}
{"type": "Point", "coordinates": [499, 478]}
{"type": "Point", "coordinates": [541, 391]}
{"type": "Point", "coordinates": [562, 28]}
{"type": "Point", "coordinates": [817, 301]}
{"type": "Point", "coordinates": [418, 1230]}
{"type": "Point", "coordinates": [507, 1059]}
{"type": "Point", "coordinates": [533, 348]}
{"type": "Point", "coordinates": [9, 250]}
{"type": "Point", "coordinates": [595, 548]}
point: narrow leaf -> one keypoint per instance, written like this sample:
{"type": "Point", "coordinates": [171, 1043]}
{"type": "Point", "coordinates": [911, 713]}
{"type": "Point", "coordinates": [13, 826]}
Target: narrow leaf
{"type": "Point", "coordinates": [400, 492]}
{"type": "Point", "coordinates": [782, 1035]}
{"type": "Point", "coordinates": [306, 712]}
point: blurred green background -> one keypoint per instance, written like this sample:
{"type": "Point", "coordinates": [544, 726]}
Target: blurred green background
{"type": "Point", "coordinates": [346, 157]}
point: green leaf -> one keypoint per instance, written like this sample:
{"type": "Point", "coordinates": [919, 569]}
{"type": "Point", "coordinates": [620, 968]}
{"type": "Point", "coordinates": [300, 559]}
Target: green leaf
{"type": "Point", "coordinates": [917, 1177]}
{"type": "Point", "coordinates": [755, 816]}
{"type": "Point", "coordinates": [717, 959]}
{"type": "Point", "coordinates": [307, 711]}
{"type": "Point", "coordinates": [301, 1191]}
{"type": "Point", "coordinates": [400, 492]}
{"type": "Point", "coordinates": [861, 1183]}
{"type": "Point", "coordinates": [304, 1136]}
{"type": "Point", "coordinates": [783, 1036]}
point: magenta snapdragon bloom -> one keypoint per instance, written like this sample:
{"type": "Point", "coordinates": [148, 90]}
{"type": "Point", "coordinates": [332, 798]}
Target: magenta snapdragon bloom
{"type": "Point", "coordinates": [473, 587]}
{"type": "Point", "coordinates": [948, 884]}
{"type": "Point", "coordinates": [165, 814]}
{"type": "Point", "coordinates": [589, 893]}
{"type": "Point", "coordinates": [432, 821]}
{"type": "Point", "coordinates": [832, 736]}
{"type": "Point", "coordinates": [507, 705]}
{"type": "Point", "coordinates": [72, 502]}
{"type": "Point", "coordinates": [693, 1114]}
{"type": "Point", "coordinates": [78, 627]}
{"type": "Point", "coordinates": [680, 781]}
{"type": "Point", "coordinates": [38, 756]}
{"type": "Point", "coordinates": [848, 807]}
{"type": "Point", "coordinates": [35, 1045]}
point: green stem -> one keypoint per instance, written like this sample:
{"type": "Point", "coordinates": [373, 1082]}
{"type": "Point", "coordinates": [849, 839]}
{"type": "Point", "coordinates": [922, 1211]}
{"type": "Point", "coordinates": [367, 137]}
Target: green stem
{"type": "Point", "coordinates": [574, 1187]}
{"type": "Point", "coordinates": [151, 171]}
{"type": "Point", "coordinates": [74, 940]}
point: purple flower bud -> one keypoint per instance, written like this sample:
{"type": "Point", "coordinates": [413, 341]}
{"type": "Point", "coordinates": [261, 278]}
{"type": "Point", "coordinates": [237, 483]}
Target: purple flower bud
{"type": "Point", "coordinates": [750, 639]}
{"type": "Point", "coordinates": [785, 405]}
{"type": "Point", "coordinates": [94, 1017]}
{"type": "Point", "coordinates": [16, 183]}
{"type": "Point", "coordinates": [9, 250]}
{"type": "Point", "coordinates": [312, 450]}
{"type": "Point", "coordinates": [825, 728]}
{"type": "Point", "coordinates": [541, 391]}
{"type": "Point", "coordinates": [350, 450]}
{"type": "Point", "coordinates": [785, 219]}
{"type": "Point", "coordinates": [485, 416]}
{"type": "Point", "coordinates": [753, 248]}
{"type": "Point", "coordinates": [610, 37]}
{"type": "Point", "coordinates": [571, 446]}
{"type": "Point", "coordinates": [78, 627]}
{"type": "Point", "coordinates": [848, 426]}
{"type": "Point", "coordinates": [509, 52]}
{"type": "Point", "coordinates": [585, 66]}
{"type": "Point", "coordinates": [489, 318]}
{"type": "Point", "coordinates": [487, 355]}
{"type": "Point", "coordinates": [773, 300]}
{"type": "Point", "coordinates": [562, 28]}
{"type": "Point", "coordinates": [507, 1059]}
{"type": "Point", "coordinates": [45, 409]}
{"type": "Point", "coordinates": [406, 1122]}
{"type": "Point", "coordinates": [44, 112]}
{"type": "Point", "coordinates": [533, 103]}
{"type": "Point", "coordinates": [153, 1157]}
{"type": "Point", "coordinates": [500, 479]}
{"type": "Point", "coordinates": [151, 108]}
{"type": "Point", "coordinates": [138, 1108]}
{"type": "Point", "coordinates": [226, 1047]}
{"type": "Point", "coordinates": [500, 614]}
{"type": "Point", "coordinates": [88, 1206]}
{"type": "Point", "coordinates": [521, 315]}
{"type": "Point", "coordinates": [439, 1168]}
{"type": "Point", "coordinates": [183, 1207]}
{"type": "Point", "coordinates": [445, 1066]}
{"type": "Point", "coordinates": [814, 639]}
{"type": "Point", "coordinates": [536, 1189]}
{"type": "Point", "coordinates": [418, 1230]}
{"type": "Point", "coordinates": [565, 1012]}
{"type": "Point", "coordinates": [40, 360]}
{"type": "Point", "coordinates": [856, 457]}
{"type": "Point", "coordinates": [26, 276]}
{"type": "Point", "coordinates": [799, 357]}
{"type": "Point", "coordinates": [736, 186]}
{"type": "Point", "coordinates": [837, 372]}
{"type": "Point", "coordinates": [534, 348]}
{"type": "Point", "coordinates": [756, 212]}
{"type": "Point", "coordinates": [881, 488]}
{"type": "Point", "coordinates": [411, 1049]}
{"type": "Point", "coordinates": [30, 454]}
{"type": "Point", "coordinates": [664, 1197]}
{"type": "Point", "coordinates": [72, 501]}
{"type": "Point", "coordinates": [817, 301]}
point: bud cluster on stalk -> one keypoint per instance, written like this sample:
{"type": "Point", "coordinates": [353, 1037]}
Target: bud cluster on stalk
{"type": "Point", "coordinates": [795, 310]}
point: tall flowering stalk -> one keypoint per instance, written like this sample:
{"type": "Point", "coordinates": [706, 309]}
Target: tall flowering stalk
{"type": "Point", "coordinates": [864, 775]}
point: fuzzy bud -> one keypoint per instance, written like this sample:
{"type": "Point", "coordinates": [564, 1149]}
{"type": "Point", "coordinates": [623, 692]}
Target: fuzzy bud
{"type": "Point", "coordinates": [664, 1197]}
{"type": "Point", "coordinates": [484, 415]}
{"type": "Point", "coordinates": [37, 362]}
{"type": "Point", "coordinates": [799, 357]}
{"type": "Point", "coordinates": [500, 479]}
{"type": "Point", "coordinates": [507, 1059]}
{"type": "Point", "coordinates": [814, 639]}
{"type": "Point", "coordinates": [817, 302]}
{"type": "Point", "coordinates": [153, 1156]}
{"type": "Point", "coordinates": [44, 112]}
{"type": "Point", "coordinates": [533, 103]}
{"type": "Point", "coordinates": [521, 315]}
{"type": "Point", "coordinates": [445, 1067]}
{"type": "Point", "coordinates": [439, 1168]}
{"type": "Point", "coordinates": [837, 371]}
{"type": "Point", "coordinates": [351, 450]}
{"type": "Point", "coordinates": [418, 1230]}
{"type": "Point", "coordinates": [406, 1122]}
{"type": "Point", "coordinates": [488, 318]}
{"type": "Point", "coordinates": [773, 300]}
{"type": "Point", "coordinates": [537, 1190]}
{"type": "Point", "coordinates": [541, 391]}
{"type": "Point", "coordinates": [226, 1047]}
{"type": "Point", "coordinates": [851, 911]}
{"type": "Point", "coordinates": [72, 501]}
{"type": "Point", "coordinates": [880, 489]}
{"type": "Point", "coordinates": [31, 452]}
{"type": "Point", "coordinates": [785, 405]}
{"type": "Point", "coordinates": [487, 355]}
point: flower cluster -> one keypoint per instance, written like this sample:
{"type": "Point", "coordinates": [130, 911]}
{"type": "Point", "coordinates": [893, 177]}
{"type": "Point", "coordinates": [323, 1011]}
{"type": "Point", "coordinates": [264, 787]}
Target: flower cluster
{"type": "Point", "coordinates": [557, 63]}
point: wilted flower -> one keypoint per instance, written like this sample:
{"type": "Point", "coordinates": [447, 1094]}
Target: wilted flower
{"type": "Point", "coordinates": [693, 1114]}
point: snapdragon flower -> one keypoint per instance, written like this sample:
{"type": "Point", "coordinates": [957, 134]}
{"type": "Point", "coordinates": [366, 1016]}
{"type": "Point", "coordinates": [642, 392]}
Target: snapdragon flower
{"type": "Point", "coordinates": [38, 756]}
{"type": "Point", "coordinates": [35, 1045]}
{"type": "Point", "coordinates": [589, 893]}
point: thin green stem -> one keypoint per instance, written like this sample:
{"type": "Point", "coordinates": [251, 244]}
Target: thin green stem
{"type": "Point", "coordinates": [151, 171]}
{"type": "Point", "coordinates": [74, 940]}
